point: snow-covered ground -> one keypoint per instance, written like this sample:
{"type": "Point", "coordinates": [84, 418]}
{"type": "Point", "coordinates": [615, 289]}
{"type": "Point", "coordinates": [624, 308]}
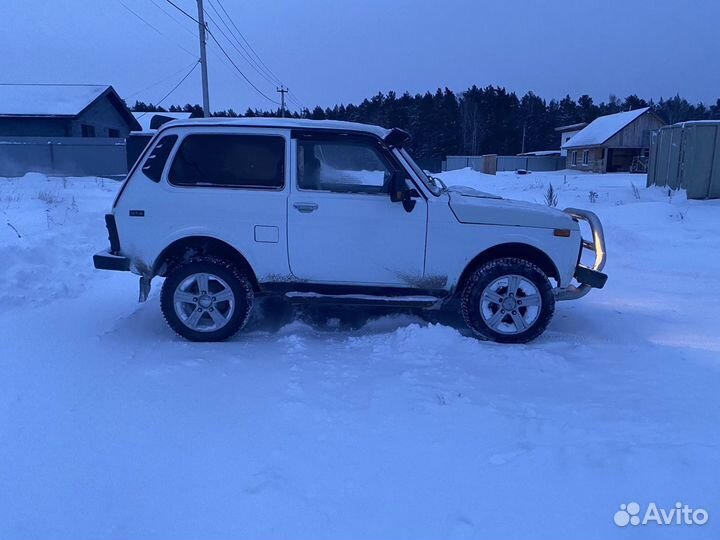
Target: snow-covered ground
{"type": "Point", "coordinates": [113, 427]}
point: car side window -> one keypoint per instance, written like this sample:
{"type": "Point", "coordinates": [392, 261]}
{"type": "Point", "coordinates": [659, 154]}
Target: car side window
{"type": "Point", "coordinates": [226, 160]}
{"type": "Point", "coordinates": [342, 167]}
{"type": "Point", "coordinates": [155, 163]}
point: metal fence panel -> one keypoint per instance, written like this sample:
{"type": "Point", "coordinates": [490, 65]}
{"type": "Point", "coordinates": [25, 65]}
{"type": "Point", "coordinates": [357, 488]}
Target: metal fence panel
{"type": "Point", "coordinates": [530, 163]}
{"type": "Point", "coordinates": [511, 163]}
{"type": "Point", "coordinates": [699, 157]}
{"type": "Point", "coordinates": [714, 187]}
{"type": "Point", "coordinates": [546, 163]}
{"type": "Point", "coordinates": [665, 147]}
{"type": "Point", "coordinates": [453, 163]}
{"type": "Point", "coordinates": [461, 162]}
{"type": "Point", "coordinates": [434, 165]}
{"type": "Point", "coordinates": [653, 160]}
{"type": "Point", "coordinates": [15, 158]}
{"type": "Point", "coordinates": [698, 161]}
{"type": "Point", "coordinates": [506, 163]}
{"type": "Point", "coordinates": [62, 156]}
{"type": "Point", "coordinates": [673, 177]}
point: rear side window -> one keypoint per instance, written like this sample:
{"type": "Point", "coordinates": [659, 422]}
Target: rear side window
{"type": "Point", "coordinates": [155, 163]}
{"type": "Point", "coordinates": [250, 161]}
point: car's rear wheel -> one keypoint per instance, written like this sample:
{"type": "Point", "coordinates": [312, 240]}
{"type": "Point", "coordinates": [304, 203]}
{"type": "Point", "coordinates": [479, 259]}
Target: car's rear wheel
{"type": "Point", "coordinates": [507, 300]}
{"type": "Point", "coordinates": [206, 299]}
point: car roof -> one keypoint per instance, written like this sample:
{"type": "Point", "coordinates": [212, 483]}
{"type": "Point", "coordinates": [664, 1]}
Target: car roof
{"type": "Point", "coordinates": [289, 123]}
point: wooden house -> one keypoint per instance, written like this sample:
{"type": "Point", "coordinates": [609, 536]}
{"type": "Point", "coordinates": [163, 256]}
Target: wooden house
{"type": "Point", "coordinates": [610, 143]}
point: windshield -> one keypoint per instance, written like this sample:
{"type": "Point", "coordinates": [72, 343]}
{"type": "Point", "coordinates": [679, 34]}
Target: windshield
{"type": "Point", "coordinates": [433, 184]}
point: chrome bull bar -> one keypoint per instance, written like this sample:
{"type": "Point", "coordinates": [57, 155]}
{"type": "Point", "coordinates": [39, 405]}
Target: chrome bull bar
{"type": "Point", "coordinates": [597, 245]}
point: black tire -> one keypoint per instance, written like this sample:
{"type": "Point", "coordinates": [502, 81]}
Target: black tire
{"type": "Point", "coordinates": [532, 322]}
{"type": "Point", "coordinates": [235, 315]}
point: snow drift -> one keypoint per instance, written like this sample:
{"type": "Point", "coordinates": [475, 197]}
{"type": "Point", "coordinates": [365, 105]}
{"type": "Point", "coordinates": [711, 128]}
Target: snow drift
{"type": "Point", "coordinates": [112, 427]}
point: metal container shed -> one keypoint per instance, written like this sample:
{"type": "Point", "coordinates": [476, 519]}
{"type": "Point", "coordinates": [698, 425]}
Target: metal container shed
{"type": "Point", "coordinates": [687, 156]}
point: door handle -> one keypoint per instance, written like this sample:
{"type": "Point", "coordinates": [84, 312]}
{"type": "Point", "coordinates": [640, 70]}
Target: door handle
{"type": "Point", "coordinates": [305, 208]}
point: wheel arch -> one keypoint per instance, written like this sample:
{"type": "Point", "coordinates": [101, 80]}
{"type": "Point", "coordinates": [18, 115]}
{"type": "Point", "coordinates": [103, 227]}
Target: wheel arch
{"type": "Point", "coordinates": [512, 249]}
{"type": "Point", "coordinates": [190, 246]}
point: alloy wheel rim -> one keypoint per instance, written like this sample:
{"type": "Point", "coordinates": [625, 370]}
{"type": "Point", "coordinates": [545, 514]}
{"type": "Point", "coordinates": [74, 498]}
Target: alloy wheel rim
{"type": "Point", "coordinates": [204, 302]}
{"type": "Point", "coordinates": [511, 304]}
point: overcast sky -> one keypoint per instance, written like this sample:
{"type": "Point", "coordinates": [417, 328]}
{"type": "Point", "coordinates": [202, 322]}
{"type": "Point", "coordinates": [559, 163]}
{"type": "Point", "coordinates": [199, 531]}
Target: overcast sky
{"type": "Point", "coordinates": [341, 51]}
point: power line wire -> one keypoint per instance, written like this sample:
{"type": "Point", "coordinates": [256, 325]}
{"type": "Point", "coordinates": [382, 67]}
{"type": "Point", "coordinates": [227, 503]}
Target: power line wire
{"type": "Point", "coordinates": [241, 50]}
{"type": "Point", "coordinates": [247, 55]}
{"type": "Point", "coordinates": [296, 100]}
{"type": "Point", "coordinates": [179, 83]}
{"type": "Point", "coordinates": [258, 65]}
{"type": "Point", "coordinates": [153, 85]}
{"type": "Point", "coordinates": [222, 32]}
{"type": "Point", "coordinates": [136, 14]}
{"type": "Point", "coordinates": [123, 4]}
{"type": "Point", "coordinates": [238, 69]}
{"type": "Point", "coordinates": [224, 60]}
{"type": "Point", "coordinates": [175, 19]}
{"type": "Point", "coordinates": [181, 10]}
{"type": "Point", "coordinates": [277, 79]}
{"type": "Point", "coordinates": [222, 49]}
{"type": "Point", "coordinates": [195, 65]}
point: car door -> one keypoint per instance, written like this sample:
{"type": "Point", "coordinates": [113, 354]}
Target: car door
{"type": "Point", "coordinates": [342, 226]}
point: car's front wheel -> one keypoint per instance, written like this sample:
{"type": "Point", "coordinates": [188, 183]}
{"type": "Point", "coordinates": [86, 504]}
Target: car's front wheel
{"type": "Point", "coordinates": [206, 299]}
{"type": "Point", "coordinates": [508, 300]}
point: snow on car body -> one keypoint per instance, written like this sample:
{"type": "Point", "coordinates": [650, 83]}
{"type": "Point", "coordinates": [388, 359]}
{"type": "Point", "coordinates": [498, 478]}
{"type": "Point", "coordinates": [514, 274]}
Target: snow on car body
{"type": "Point", "coordinates": [227, 209]}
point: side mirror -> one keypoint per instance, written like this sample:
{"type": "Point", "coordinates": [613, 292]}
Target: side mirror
{"type": "Point", "coordinates": [402, 191]}
{"type": "Point", "coordinates": [398, 186]}
{"type": "Point", "coordinates": [408, 201]}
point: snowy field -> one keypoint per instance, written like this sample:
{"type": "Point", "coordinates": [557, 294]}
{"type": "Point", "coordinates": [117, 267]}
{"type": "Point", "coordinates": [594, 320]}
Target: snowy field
{"type": "Point", "coordinates": [112, 427]}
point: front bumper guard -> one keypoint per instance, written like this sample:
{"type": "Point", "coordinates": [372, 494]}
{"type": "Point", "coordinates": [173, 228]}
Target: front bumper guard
{"type": "Point", "coordinates": [588, 277]}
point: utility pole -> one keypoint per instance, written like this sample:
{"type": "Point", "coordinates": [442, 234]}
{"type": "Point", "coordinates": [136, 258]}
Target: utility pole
{"type": "Point", "coordinates": [203, 58]}
{"type": "Point", "coordinates": [523, 141]}
{"type": "Point", "coordinates": [282, 91]}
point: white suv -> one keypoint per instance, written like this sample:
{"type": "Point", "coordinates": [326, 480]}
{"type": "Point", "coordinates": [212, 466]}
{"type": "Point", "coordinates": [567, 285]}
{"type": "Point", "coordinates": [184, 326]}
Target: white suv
{"type": "Point", "coordinates": [335, 212]}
